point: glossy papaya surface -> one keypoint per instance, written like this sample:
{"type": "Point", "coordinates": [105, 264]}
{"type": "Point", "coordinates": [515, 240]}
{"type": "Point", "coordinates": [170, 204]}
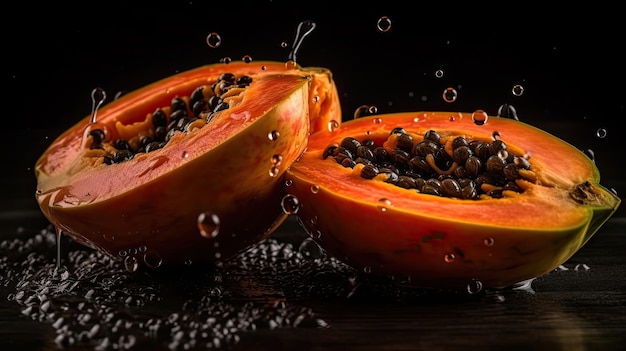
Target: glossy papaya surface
{"type": "Point", "coordinates": [503, 235]}
{"type": "Point", "coordinates": [188, 168]}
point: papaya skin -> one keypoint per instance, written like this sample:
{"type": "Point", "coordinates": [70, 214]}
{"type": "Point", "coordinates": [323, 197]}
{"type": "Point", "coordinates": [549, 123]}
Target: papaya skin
{"type": "Point", "coordinates": [442, 242]}
{"type": "Point", "coordinates": [147, 209]}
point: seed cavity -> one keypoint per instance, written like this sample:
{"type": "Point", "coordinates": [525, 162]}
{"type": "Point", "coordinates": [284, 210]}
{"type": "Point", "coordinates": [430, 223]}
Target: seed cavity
{"type": "Point", "coordinates": [452, 166]}
{"type": "Point", "coordinates": [184, 114]}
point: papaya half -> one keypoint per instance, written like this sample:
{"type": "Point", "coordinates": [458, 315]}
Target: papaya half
{"type": "Point", "coordinates": [189, 168]}
{"type": "Point", "coordinates": [448, 200]}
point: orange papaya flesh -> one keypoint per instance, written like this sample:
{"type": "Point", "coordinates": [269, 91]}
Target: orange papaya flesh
{"type": "Point", "coordinates": [226, 172]}
{"type": "Point", "coordinates": [448, 242]}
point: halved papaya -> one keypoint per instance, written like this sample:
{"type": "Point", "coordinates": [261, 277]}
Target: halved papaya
{"type": "Point", "coordinates": [444, 200]}
{"type": "Point", "coordinates": [188, 168]}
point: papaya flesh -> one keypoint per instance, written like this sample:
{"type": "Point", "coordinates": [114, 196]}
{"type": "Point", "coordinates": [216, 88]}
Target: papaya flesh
{"type": "Point", "coordinates": [209, 189]}
{"type": "Point", "coordinates": [496, 239]}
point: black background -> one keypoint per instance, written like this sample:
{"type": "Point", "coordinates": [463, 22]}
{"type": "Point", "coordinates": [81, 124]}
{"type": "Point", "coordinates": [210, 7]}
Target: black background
{"type": "Point", "coordinates": [569, 62]}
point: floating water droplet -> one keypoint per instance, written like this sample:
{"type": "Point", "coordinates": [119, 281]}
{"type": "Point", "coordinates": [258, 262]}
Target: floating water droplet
{"type": "Point", "coordinates": [517, 90]}
{"type": "Point", "coordinates": [277, 159]}
{"type": "Point", "coordinates": [98, 96]}
{"type": "Point", "coordinates": [474, 286]}
{"type": "Point", "coordinates": [290, 204]}
{"type": "Point", "coordinates": [274, 172]}
{"type": "Point", "coordinates": [131, 264]}
{"type": "Point", "coordinates": [383, 24]}
{"type": "Point", "coordinates": [507, 111]}
{"type": "Point", "coordinates": [315, 188]}
{"type": "Point", "coordinates": [333, 125]}
{"type": "Point", "coordinates": [152, 259]}
{"type": "Point", "coordinates": [449, 94]}
{"type": "Point", "coordinates": [283, 44]}
{"type": "Point", "coordinates": [365, 110]}
{"type": "Point", "coordinates": [226, 60]}
{"type": "Point", "coordinates": [489, 241]}
{"type": "Point", "coordinates": [246, 58]}
{"type": "Point", "coordinates": [273, 135]}
{"type": "Point", "coordinates": [449, 258]}
{"type": "Point", "coordinates": [480, 117]}
{"type": "Point", "coordinates": [288, 182]}
{"type": "Point", "coordinates": [439, 73]}
{"type": "Point", "coordinates": [384, 204]}
{"type": "Point", "coordinates": [601, 133]}
{"type": "Point", "coordinates": [367, 269]}
{"type": "Point", "coordinates": [208, 224]}
{"type": "Point", "coordinates": [214, 40]}
{"type": "Point", "coordinates": [304, 29]}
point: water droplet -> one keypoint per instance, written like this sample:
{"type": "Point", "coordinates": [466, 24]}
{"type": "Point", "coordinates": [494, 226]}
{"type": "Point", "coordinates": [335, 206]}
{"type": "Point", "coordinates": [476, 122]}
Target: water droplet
{"type": "Point", "coordinates": [98, 96]}
{"type": "Point", "coordinates": [283, 44]}
{"type": "Point", "coordinates": [185, 154]}
{"type": "Point", "coordinates": [315, 188]}
{"type": "Point", "coordinates": [439, 73]}
{"type": "Point", "coordinates": [383, 24]}
{"type": "Point", "coordinates": [591, 155]}
{"type": "Point", "coordinates": [214, 40]}
{"type": "Point", "coordinates": [290, 204]}
{"type": "Point", "coordinates": [474, 286]}
{"type": "Point", "coordinates": [274, 171]}
{"type": "Point", "coordinates": [152, 259]}
{"type": "Point", "coordinates": [310, 249]}
{"type": "Point", "coordinates": [449, 258]}
{"type": "Point", "coordinates": [365, 110]}
{"type": "Point", "coordinates": [601, 133]}
{"type": "Point", "coordinates": [208, 224]}
{"type": "Point", "coordinates": [384, 204]}
{"type": "Point", "coordinates": [59, 232]}
{"type": "Point", "coordinates": [449, 94]}
{"type": "Point", "coordinates": [277, 159]}
{"type": "Point", "coordinates": [290, 64]}
{"type": "Point", "coordinates": [377, 120]}
{"type": "Point", "coordinates": [489, 241]}
{"type": "Point", "coordinates": [367, 269]}
{"type": "Point", "coordinates": [332, 125]}
{"type": "Point", "coordinates": [273, 135]}
{"type": "Point", "coordinates": [507, 111]}
{"type": "Point", "coordinates": [246, 58]}
{"type": "Point", "coordinates": [517, 90]}
{"type": "Point", "coordinates": [263, 68]}
{"type": "Point", "coordinates": [304, 29]}
{"type": "Point", "coordinates": [131, 264]}
{"type": "Point", "coordinates": [188, 262]}
{"type": "Point", "coordinates": [288, 182]}
{"type": "Point", "coordinates": [480, 117]}
{"type": "Point", "coordinates": [495, 135]}
{"type": "Point", "coordinates": [122, 253]}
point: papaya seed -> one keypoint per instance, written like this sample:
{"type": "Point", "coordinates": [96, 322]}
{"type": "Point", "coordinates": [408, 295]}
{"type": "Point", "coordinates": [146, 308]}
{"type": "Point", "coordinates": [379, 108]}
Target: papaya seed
{"type": "Point", "coordinates": [454, 167]}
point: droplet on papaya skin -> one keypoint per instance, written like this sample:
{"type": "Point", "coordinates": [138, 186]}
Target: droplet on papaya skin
{"type": "Point", "coordinates": [208, 224]}
{"type": "Point", "coordinates": [274, 171]}
{"type": "Point", "coordinates": [273, 135]}
{"type": "Point", "coordinates": [333, 125]}
{"type": "Point", "coordinates": [449, 258]}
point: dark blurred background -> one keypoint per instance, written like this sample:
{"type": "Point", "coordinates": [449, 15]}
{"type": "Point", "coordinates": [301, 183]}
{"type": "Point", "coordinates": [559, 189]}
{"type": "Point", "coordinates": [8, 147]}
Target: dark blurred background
{"type": "Point", "coordinates": [568, 62]}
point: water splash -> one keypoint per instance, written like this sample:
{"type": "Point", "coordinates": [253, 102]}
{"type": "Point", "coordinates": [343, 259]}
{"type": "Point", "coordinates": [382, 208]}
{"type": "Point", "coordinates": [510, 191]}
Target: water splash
{"type": "Point", "coordinates": [304, 28]}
